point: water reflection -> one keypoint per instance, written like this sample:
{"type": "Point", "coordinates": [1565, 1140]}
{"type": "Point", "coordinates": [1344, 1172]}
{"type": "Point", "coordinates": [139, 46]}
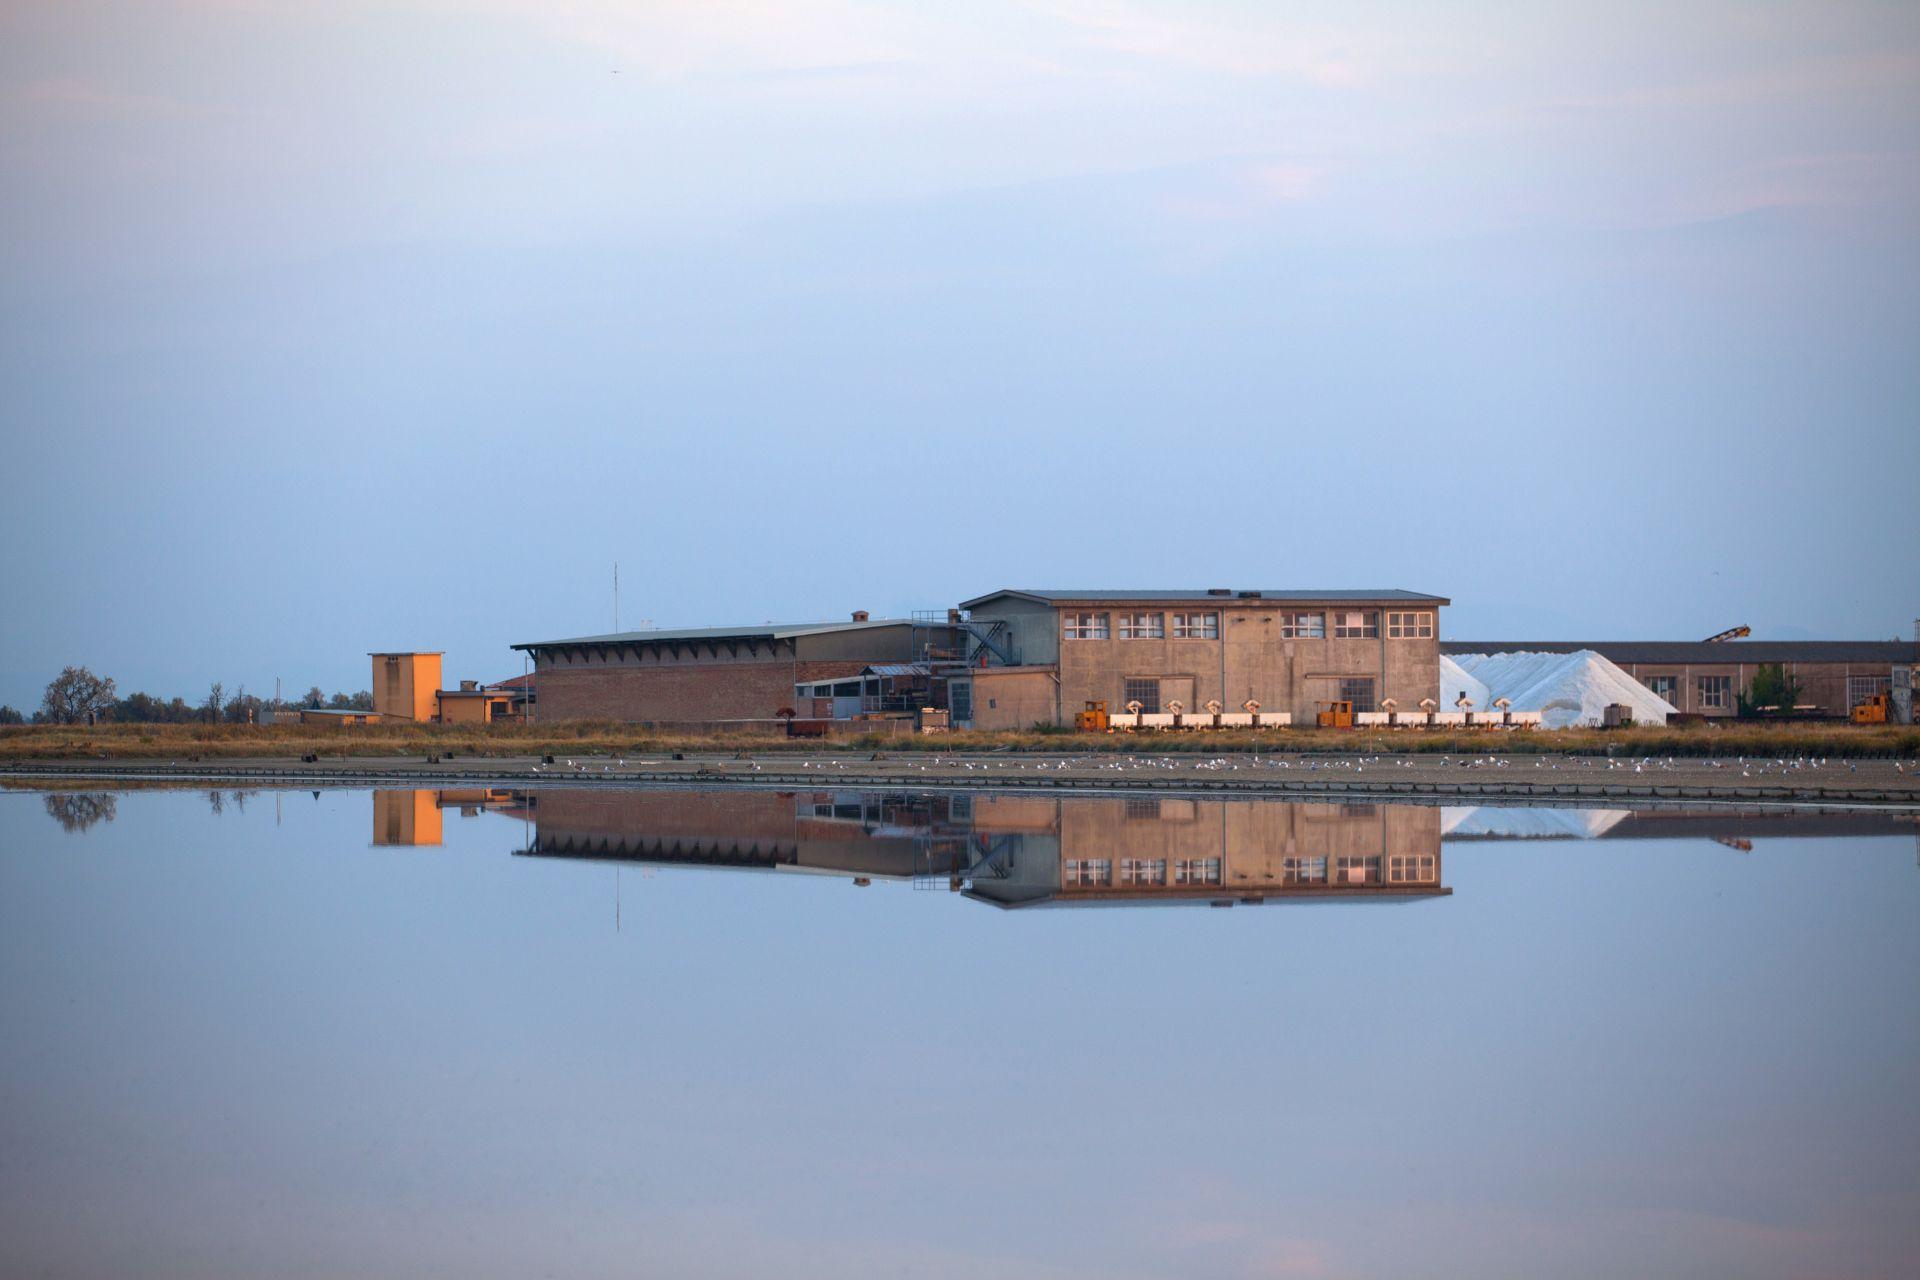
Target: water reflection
{"type": "Point", "coordinates": [1015, 851]}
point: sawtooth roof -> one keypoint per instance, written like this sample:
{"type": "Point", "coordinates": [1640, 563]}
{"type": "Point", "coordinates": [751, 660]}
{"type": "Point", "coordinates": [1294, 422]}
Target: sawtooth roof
{"type": "Point", "coordinates": [765, 631]}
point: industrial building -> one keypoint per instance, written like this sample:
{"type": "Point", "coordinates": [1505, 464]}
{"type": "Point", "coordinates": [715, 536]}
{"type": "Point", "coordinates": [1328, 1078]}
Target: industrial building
{"type": "Point", "coordinates": [714, 676]}
{"type": "Point", "coordinates": [1707, 677]}
{"type": "Point", "coordinates": [406, 686]}
{"type": "Point", "coordinates": [1016, 658]}
{"type": "Point", "coordinates": [1039, 656]}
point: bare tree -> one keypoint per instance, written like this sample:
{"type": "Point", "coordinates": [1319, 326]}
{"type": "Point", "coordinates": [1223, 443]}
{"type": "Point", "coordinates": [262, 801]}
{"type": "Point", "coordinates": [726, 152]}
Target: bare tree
{"type": "Point", "coordinates": [216, 698]}
{"type": "Point", "coordinates": [76, 696]}
{"type": "Point", "coordinates": [76, 811]}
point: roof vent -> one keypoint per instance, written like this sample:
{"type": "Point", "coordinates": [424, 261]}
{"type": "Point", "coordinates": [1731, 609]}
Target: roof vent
{"type": "Point", "coordinates": [859, 615]}
{"type": "Point", "coordinates": [1248, 595]}
{"type": "Point", "coordinates": [1219, 591]}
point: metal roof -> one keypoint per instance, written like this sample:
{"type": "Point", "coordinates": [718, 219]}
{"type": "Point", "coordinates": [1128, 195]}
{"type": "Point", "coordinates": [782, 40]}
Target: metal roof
{"type": "Point", "coordinates": [1288, 595]}
{"type": "Point", "coordinates": [897, 669]}
{"type": "Point", "coordinates": [1705, 652]}
{"type": "Point", "coordinates": [765, 631]}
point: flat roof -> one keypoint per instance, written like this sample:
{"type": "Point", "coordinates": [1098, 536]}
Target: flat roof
{"type": "Point", "coordinates": [1286, 595]}
{"type": "Point", "coordinates": [406, 653]}
{"type": "Point", "coordinates": [765, 631]}
{"type": "Point", "coordinates": [1705, 652]}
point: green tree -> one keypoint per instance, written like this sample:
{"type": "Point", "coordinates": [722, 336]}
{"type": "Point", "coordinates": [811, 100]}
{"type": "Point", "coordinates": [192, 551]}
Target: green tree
{"type": "Point", "coordinates": [76, 696]}
{"type": "Point", "coordinates": [1772, 690]}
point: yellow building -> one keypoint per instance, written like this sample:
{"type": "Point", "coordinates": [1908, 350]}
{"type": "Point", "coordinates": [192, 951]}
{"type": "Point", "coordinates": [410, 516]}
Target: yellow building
{"type": "Point", "coordinates": [406, 685]}
{"type": "Point", "coordinates": [470, 704]}
{"type": "Point", "coordinates": [406, 818]}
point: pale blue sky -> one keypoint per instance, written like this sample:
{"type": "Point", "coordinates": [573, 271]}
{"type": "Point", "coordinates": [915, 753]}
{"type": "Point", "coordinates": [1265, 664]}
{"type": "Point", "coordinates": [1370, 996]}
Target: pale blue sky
{"type": "Point", "coordinates": [327, 327]}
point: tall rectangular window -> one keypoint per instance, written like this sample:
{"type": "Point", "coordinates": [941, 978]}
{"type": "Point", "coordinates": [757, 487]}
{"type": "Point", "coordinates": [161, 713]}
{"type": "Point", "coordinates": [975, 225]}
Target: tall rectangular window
{"type": "Point", "coordinates": [1088, 626]}
{"type": "Point", "coordinates": [1356, 624]}
{"type": "Point", "coordinates": [1143, 626]}
{"type": "Point", "coordinates": [960, 700]}
{"type": "Point", "coordinates": [1358, 690]}
{"type": "Point", "coordinates": [1860, 688]}
{"type": "Point", "coordinates": [1716, 692]}
{"type": "Point", "coordinates": [1665, 687]}
{"type": "Point", "coordinates": [1303, 626]}
{"type": "Point", "coordinates": [1196, 626]}
{"type": "Point", "coordinates": [1145, 691]}
{"type": "Point", "coordinates": [1409, 626]}
{"type": "Point", "coordinates": [1088, 871]}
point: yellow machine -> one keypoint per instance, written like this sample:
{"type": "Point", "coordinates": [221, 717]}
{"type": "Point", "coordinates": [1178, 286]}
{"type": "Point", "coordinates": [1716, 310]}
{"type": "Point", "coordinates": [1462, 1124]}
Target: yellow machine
{"type": "Point", "coordinates": [1093, 719]}
{"type": "Point", "coordinates": [1334, 715]}
{"type": "Point", "coordinates": [1873, 710]}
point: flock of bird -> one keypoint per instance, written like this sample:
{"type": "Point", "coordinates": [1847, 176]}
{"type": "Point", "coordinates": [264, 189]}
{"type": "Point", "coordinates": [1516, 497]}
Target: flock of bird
{"type": "Point", "coordinates": [1754, 768]}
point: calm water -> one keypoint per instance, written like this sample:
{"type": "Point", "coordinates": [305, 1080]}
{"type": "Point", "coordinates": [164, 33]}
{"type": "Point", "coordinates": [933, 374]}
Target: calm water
{"type": "Point", "coordinates": [670, 1033]}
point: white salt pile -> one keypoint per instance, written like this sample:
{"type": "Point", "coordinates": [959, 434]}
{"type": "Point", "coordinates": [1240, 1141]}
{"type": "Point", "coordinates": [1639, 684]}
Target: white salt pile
{"type": "Point", "coordinates": [1528, 824]}
{"type": "Point", "coordinates": [1568, 689]}
{"type": "Point", "coordinates": [1454, 681]}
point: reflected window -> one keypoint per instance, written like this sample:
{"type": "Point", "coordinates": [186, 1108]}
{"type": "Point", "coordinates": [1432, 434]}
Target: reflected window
{"type": "Point", "coordinates": [1143, 871]}
{"type": "Point", "coordinates": [1196, 871]}
{"type": "Point", "coordinates": [1412, 868]}
{"type": "Point", "coordinates": [1303, 870]}
{"type": "Point", "coordinates": [1358, 870]}
{"type": "Point", "coordinates": [1088, 871]}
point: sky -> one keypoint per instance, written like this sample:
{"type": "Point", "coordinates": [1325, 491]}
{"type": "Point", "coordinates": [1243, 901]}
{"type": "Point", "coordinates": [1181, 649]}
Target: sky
{"type": "Point", "coordinates": [328, 327]}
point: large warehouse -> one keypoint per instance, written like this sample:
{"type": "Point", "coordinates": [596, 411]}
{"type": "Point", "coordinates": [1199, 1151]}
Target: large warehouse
{"type": "Point", "coordinates": [1042, 655]}
{"type": "Point", "coordinates": [1706, 677]}
{"type": "Point", "coordinates": [713, 675]}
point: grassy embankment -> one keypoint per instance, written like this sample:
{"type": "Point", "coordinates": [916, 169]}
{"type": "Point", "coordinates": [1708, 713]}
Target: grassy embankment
{"type": "Point", "coordinates": [165, 742]}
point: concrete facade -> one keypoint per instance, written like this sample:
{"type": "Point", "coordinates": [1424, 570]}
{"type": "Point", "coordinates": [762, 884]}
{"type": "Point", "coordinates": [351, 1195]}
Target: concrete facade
{"type": "Point", "coordinates": [1282, 649]}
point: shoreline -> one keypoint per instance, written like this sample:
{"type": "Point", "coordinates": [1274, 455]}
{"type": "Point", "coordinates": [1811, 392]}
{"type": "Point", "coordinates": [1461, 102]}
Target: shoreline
{"type": "Point", "coordinates": [1562, 780]}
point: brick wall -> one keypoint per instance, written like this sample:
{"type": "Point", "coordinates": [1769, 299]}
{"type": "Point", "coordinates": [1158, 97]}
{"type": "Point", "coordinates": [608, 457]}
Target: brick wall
{"type": "Point", "coordinates": [683, 692]}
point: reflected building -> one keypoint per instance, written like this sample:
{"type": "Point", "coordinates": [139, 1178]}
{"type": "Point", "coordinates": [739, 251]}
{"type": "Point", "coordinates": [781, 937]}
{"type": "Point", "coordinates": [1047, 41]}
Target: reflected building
{"type": "Point", "coordinates": [412, 817]}
{"type": "Point", "coordinates": [1013, 850]}
{"type": "Point", "coordinates": [1089, 850]}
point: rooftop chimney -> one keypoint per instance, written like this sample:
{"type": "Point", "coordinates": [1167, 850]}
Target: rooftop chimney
{"type": "Point", "coordinates": [859, 615]}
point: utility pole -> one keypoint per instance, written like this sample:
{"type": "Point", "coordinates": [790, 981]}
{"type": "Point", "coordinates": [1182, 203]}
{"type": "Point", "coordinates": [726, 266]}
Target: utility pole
{"type": "Point", "coordinates": [616, 597]}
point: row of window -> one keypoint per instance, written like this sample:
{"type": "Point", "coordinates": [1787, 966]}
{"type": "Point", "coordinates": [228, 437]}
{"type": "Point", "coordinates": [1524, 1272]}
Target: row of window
{"type": "Point", "coordinates": [1401, 868]}
{"type": "Point", "coordinates": [1716, 692]}
{"type": "Point", "coordinates": [1140, 871]}
{"type": "Point", "coordinates": [1348, 624]}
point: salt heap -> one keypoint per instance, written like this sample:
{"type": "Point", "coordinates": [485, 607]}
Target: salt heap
{"type": "Point", "coordinates": [1454, 681]}
{"type": "Point", "coordinates": [1567, 689]}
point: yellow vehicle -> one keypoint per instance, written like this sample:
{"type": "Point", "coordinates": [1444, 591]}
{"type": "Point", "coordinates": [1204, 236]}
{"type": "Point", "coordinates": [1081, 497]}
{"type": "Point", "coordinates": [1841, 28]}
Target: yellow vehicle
{"type": "Point", "coordinates": [1873, 710]}
{"type": "Point", "coordinates": [1093, 719]}
{"type": "Point", "coordinates": [1334, 715]}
